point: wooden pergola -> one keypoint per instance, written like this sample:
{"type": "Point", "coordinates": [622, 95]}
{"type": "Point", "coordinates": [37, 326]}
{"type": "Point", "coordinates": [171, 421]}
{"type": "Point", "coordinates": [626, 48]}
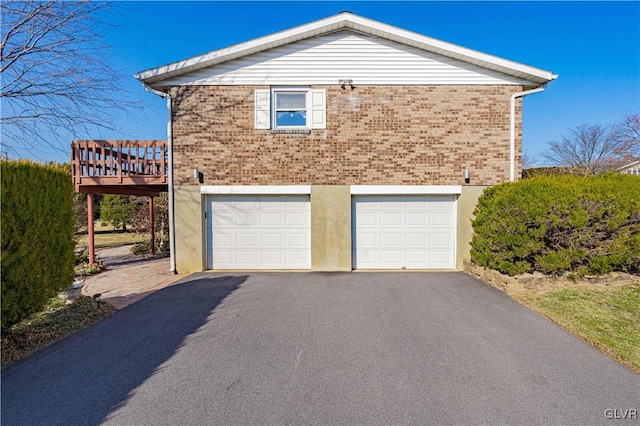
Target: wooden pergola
{"type": "Point", "coordinates": [127, 167]}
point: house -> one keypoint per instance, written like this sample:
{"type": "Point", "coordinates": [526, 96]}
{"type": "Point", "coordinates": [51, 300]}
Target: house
{"type": "Point", "coordinates": [342, 144]}
{"type": "Point", "coordinates": [632, 167]}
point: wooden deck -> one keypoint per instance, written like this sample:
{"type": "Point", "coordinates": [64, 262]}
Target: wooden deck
{"type": "Point", "coordinates": [132, 167]}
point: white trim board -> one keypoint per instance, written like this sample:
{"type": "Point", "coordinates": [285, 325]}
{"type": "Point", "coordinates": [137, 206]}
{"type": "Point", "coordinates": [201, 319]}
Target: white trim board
{"type": "Point", "coordinates": [405, 189]}
{"type": "Point", "coordinates": [255, 189]}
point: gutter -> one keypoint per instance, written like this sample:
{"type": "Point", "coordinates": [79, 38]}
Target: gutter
{"type": "Point", "coordinates": [172, 230]}
{"type": "Point", "coordinates": [512, 129]}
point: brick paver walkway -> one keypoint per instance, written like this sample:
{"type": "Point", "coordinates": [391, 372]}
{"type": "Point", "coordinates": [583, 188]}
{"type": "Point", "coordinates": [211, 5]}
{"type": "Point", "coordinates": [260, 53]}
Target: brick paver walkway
{"type": "Point", "coordinates": [128, 278]}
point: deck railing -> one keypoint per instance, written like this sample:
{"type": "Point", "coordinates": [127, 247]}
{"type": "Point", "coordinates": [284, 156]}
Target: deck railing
{"type": "Point", "coordinates": [119, 162]}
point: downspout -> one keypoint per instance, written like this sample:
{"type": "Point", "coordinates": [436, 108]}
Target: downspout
{"type": "Point", "coordinates": [512, 130]}
{"type": "Point", "coordinates": [172, 236]}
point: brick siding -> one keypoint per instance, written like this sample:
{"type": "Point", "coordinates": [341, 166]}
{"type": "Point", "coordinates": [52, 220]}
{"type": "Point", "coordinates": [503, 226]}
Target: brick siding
{"type": "Point", "coordinates": [376, 135]}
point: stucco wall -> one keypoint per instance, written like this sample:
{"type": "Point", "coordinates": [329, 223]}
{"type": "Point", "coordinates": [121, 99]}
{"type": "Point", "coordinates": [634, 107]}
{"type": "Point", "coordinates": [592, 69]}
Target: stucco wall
{"type": "Point", "coordinates": [466, 204]}
{"type": "Point", "coordinates": [330, 228]}
{"type": "Point", "coordinates": [189, 221]}
{"type": "Point", "coordinates": [376, 135]}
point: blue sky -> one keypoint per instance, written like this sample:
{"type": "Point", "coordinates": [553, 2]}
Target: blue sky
{"type": "Point", "coordinates": [593, 46]}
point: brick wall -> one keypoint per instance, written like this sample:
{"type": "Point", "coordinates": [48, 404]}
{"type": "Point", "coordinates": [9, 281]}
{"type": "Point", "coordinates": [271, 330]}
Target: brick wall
{"type": "Point", "coordinates": [376, 135]}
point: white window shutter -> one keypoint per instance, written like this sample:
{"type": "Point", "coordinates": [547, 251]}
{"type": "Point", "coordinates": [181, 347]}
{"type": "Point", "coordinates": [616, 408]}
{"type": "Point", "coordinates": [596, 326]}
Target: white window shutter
{"type": "Point", "coordinates": [318, 108]}
{"type": "Point", "coordinates": [262, 109]}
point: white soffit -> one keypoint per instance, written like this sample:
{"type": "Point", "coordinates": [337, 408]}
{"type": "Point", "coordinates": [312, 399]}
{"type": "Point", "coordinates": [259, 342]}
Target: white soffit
{"type": "Point", "coordinates": [346, 20]}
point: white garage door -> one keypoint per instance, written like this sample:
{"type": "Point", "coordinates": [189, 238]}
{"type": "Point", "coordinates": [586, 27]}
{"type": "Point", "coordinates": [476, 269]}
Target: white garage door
{"type": "Point", "coordinates": [404, 231]}
{"type": "Point", "coordinates": [258, 232]}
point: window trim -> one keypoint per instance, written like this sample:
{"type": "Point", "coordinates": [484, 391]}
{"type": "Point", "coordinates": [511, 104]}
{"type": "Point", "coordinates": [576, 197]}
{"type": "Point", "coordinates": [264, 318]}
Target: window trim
{"type": "Point", "coordinates": [308, 107]}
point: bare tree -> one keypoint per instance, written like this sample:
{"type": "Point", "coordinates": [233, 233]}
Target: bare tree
{"type": "Point", "coordinates": [56, 81]}
{"type": "Point", "coordinates": [596, 147]}
{"type": "Point", "coordinates": [628, 134]}
{"type": "Point", "coordinates": [528, 160]}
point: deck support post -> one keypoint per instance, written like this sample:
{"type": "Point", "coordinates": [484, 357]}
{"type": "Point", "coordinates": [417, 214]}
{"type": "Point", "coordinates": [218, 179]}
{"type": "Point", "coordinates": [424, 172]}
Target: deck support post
{"type": "Point", "coordinates": [92, 252]}
{"type": "Point", "coordinates": [152, 245]}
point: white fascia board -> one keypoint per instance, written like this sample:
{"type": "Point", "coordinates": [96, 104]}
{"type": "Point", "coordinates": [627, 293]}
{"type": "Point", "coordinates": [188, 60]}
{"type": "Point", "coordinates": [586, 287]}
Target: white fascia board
{"type": "Point", "coordinates": [356, 23]}
{"type": "Point", "coordinates": [405, 189]}
{"type": "Point", "coordinates": [255, 189]}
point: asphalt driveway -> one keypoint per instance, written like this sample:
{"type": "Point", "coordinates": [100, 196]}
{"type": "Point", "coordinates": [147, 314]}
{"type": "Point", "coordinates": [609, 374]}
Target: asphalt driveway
{"type": "Point", "coordinates": [321, 348]}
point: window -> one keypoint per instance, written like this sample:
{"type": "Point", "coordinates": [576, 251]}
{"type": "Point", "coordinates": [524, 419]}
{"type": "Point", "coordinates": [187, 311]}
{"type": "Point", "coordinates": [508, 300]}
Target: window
{"type": "Point", "coordinates": [290, 109]}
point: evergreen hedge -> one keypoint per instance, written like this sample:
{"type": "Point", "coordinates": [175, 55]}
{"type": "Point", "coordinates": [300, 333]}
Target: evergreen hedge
{"type": "Point", "coordinates": [37, 236]}
{"type": "Point", "coordinates": [556, 224]}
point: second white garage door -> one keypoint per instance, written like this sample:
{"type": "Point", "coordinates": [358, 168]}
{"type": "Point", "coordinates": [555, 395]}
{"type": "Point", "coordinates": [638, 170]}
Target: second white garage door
{"type": "Point", "coordinates": [258, 232]}
{"type": "Point", "coordinates": [404, 231]}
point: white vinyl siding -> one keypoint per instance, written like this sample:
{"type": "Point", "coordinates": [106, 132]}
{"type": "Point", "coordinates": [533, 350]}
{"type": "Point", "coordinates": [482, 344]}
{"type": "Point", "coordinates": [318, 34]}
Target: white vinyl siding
{"type": "Point", "coordinates": [324, 60]}
{"type": "Point", "coordinates": [258, 232]}
{"type": "Point", "coordinates": [403, 231]}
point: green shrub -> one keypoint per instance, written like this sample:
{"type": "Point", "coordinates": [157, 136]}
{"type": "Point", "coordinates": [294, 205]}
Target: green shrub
{"type": "Point", "coordinates": [37, 236]}
{"type": "Point", "coordinates": [555, 171]}
{"type": "Point", "coordinates": [115, 210]}
{"type": "Point", "coordinates": [84, 269]}
{"type": "Point", "coordinates": [140, 248]}
{"type": "Point", "coordinates": [555, 224]}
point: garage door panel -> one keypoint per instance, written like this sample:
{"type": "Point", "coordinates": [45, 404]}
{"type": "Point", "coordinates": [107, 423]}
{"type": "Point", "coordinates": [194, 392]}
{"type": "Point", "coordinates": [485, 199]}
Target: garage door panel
{"type": "Point", "coordinates": [440, 199]}
{"type": "Point", "coordinates": [441, 240]}
{"type": "Point", "coordinates": [391, 239]}
{"type": "Point", "coordinates": [440, 219]}
{"type": "Point", "coordinates": [368, 256]}
{"type": "Point", "coordinates": [271, 257]}
{"type": "Point", "coordinates": [416, 239]}
{"type": "Point", "coordinates": [418, 219]}
{"type": "Point", "coordinates": [225, 241]}
{"type": "Point", "coordinates": [271, 240]}
{"type": "Point", "coordinates": [441, 258]}
{"type": "Point", "coordinates": [390, 257]}
{"type": "Point", "coordinates": [390, 219]}
{"type": "Point", "coordinates": [296, 219]}
{"type": "Point", "coordinates": [415, 257]}
{"type": "Point", "coordinates": [367, 240]}
{"type": "Point", "coordinates": [224, 218]}
{"type": "Point", "coordinates": [392, 202]}
{"type": "Point", "coordinates": [258, 232]}
{"type": "Point", "coordinates": [299, 203]}
{"type": "Point", "coordinates": [367, 219]}
{"type": "Point", "coordinates": [224, 256]}
{"type": "Point", "coordinates": [245, 258]}
{"type": "Point", "coordinates": [297, 240]}
{"type": "Point", "coordinates": [368, 203]}
{"type": "Point", "coordinates": [295, 257]}
{"type": "Point", "coordinates": [418, 203]}
{"type": "Point", "coordinates": [246, 240]}
{"type": "Point", "coordinates": [271, 219]}
{"type": "Point", "coordinates": [405, 231]}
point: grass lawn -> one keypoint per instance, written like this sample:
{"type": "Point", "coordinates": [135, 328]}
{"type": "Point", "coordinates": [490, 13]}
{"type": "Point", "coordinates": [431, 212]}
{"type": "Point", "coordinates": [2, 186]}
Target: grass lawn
{"type": "Point", "coordinates": [57, 320]}
{"type": "Point", "coordinates": [108, 237]}
{"type": "Point", "coordinates": [607, 318]}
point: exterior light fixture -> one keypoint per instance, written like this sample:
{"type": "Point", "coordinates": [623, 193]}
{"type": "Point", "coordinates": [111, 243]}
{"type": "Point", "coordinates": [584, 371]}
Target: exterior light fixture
{"type": "Point", "coordinates": [344, 81]}
{"type": "Point", "coordinates": [466, 175]}
{"type": "Point", "coordinates": [197, 174]}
